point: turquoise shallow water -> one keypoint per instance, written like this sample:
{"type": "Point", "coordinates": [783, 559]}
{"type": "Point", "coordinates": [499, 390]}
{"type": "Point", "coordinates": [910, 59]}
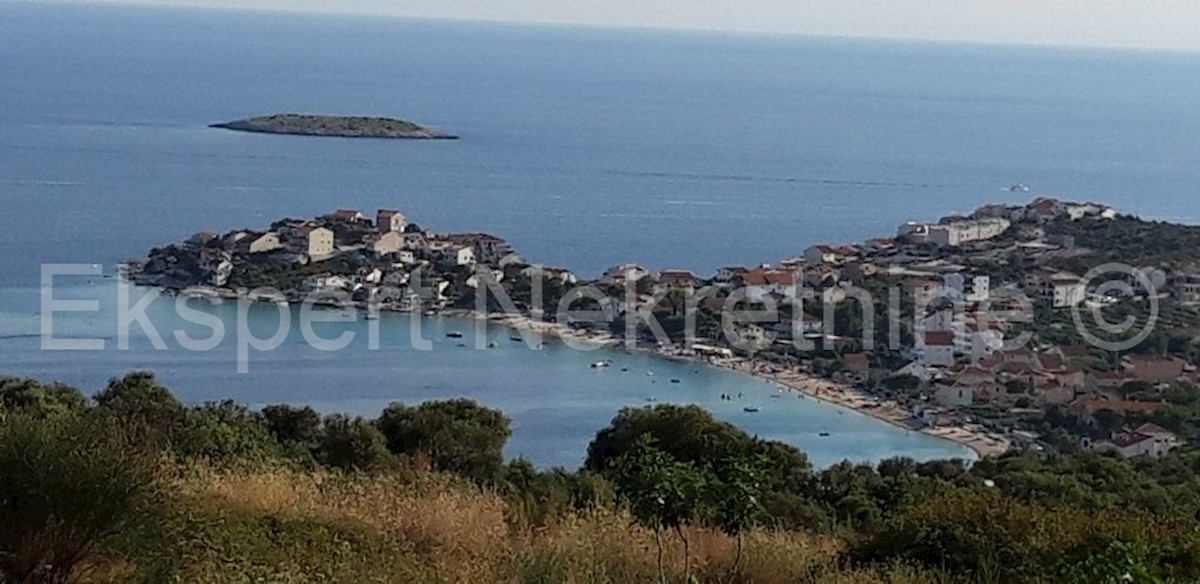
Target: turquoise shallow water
{"type": "Point", "coordinates": [556, 400]}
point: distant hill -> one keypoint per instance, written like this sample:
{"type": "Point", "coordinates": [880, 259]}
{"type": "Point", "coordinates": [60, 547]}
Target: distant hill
{"type": "Point", "coordinates": [334, 126]}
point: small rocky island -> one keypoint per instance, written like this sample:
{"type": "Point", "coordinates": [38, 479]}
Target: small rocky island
{"type": "Point", "coordinates": [334, 126]}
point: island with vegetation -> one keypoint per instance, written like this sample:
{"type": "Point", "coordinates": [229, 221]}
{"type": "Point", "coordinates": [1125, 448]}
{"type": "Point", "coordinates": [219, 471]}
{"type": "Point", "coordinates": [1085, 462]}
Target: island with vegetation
{"type": "Point", "coordinates": [334, 126]}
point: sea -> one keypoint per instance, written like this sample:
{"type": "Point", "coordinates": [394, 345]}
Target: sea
{"type": "Point", "coordinates": [583, 147]}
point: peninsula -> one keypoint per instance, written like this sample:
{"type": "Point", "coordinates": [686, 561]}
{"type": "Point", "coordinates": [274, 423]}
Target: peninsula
{"type": "Point", "coordinates": [334, 126]}
{"type": "Point", "coordinates": [949, 370]}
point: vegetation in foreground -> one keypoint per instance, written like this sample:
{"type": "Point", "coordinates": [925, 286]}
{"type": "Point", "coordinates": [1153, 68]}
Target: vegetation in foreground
{"type": "Point", "coordinates": [133, 486]}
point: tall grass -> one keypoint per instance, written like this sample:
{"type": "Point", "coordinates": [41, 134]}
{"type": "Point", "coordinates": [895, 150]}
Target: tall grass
{"type": "Point", "coordinates": [285, 525]}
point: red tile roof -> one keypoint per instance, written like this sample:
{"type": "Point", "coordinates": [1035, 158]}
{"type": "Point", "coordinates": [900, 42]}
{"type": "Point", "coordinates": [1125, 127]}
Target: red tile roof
{"type": "Point", "coordinates": [939, 338]}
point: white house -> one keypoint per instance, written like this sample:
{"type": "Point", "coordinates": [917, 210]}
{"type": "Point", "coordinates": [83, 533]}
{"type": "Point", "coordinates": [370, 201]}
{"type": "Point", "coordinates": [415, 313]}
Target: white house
{"type": "Point", "coordinates": [389, 242]}
{"type": "Point", "coordinates": [316, 242]}
{"type": "Point", "coordinates": [262, 243]}
{"type": "Point", "coordinates": [1059, 289]}
{"type": "Point", "coordinates": [387, 220]}
{"type": "Point", "coordinates": [937, 348]}
{"type": "Point", "coordinates": [1146, 440]}
{"type": "Point", "coordinates": [761, 283]}
{"type": "Point", "coordinates": [953, 233]}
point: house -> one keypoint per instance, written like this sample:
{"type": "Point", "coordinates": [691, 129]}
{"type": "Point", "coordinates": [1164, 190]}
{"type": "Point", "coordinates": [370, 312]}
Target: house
{"type": "Point", "coordinates": [563, 275]}
{"type": "Point", "coordinates": [677, 280]}
{"type": "Point", "coordinates": [203, 238]}
{"type": "Point", "coordinates": [857, 272]}
{"type": "Point", "coordinates": [1186, 287]}
{"type": "Point", "coordinates": [327, 282]}
{"type": "Point", "coordinates": [388, 243]}
{"type": "Point", "coordinates": [1152, 368]}
{"type": "Point", "coordinates": [483, 277]}
{"type": "Point", "coordinates": [347, 216]}
{"type": "Point", "coordinates": [729, 273]}
{"type": "Point", "coordinates": [1058, 289]}
{"type": "Point", "coordinates": [820, 254]}
{"type": "Point", "coordinates": [459, 255]}
{"type": "Point", "coordinates": [1077, 211]}
{"type": "Point", "coordinates": [953, 233]}
{"type": "Point", "coordinates": [857, 362]}
{"type": "Point", "coordinates": [316, 242]}
{"type": "Point", "coordinates": [487, 248]}
{"type": "Point", "coordinates": [1148, 440]}
{"type": "Point", "coordinates": [416, 242]}
{"type": "Point", "coordinates": [1043, 210]}
{"type": "Point", "coordinates": [255, 243]}
{"type": "Point", "coordinates": [387, 220]}
{"type": "Point", "coordinates": [937, 348]}
{"type": "Point", "coordinates": [619, 275]}
{"type": "Point", "coordinates": [762, 283]}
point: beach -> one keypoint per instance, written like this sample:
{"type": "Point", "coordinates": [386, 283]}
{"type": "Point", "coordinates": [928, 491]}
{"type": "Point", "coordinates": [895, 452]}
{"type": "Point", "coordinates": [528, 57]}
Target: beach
{"type": "Point", "coordinates": [984, 443]}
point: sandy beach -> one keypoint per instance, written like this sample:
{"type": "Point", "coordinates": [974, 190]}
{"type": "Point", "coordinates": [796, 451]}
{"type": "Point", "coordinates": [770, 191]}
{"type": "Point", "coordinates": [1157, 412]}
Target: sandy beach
{"type": "Point", "coordinates": [984, 444]}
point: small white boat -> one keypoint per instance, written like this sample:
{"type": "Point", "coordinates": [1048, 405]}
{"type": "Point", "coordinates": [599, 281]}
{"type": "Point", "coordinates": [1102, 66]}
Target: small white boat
{"type": "Point", "coordinates": [454, 335]}
{"type": "Point", "coordinates": [649, 374]}
{"type": "Point", "coordinates": [600, 364]}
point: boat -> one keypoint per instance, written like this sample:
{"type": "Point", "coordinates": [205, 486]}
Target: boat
{"type": "Point", "coordinates": [823, 434]}
{"type": "Point", "coordinates": [750, 409]}
{"type": "Point", "coordinates": [1019, 188]}
{"type": "Point", "coordinates": [624, 369]}
{"type": "Point", "coordinates": [649, 374]}
{"type": "Point", "coordinates": [454, 335]}
{"type": "Point", "coordinates": [600, 364]}
{"type": "Point", "coordinates": [516, 338]}
{"type": "Point", "coordinates": [651, 399]}
{"type": "Point", "coordinates": [492, 345]}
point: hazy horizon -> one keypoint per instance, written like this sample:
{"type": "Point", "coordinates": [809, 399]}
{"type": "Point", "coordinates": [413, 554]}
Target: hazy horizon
{"type": "Point", "coordinates": [1118, 24]}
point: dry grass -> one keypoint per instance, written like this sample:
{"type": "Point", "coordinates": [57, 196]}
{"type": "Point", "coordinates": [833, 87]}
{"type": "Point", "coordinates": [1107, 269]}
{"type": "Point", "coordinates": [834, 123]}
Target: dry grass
{"type": "Point", "coordinates": [437, 529]}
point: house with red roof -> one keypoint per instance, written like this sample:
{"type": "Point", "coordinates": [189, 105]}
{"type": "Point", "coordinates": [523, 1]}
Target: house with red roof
{"type": "Point", "coordinates": [1147, 439]}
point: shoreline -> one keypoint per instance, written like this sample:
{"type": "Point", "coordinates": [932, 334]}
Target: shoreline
{"type": "Point", "coordinates": [984, 444]}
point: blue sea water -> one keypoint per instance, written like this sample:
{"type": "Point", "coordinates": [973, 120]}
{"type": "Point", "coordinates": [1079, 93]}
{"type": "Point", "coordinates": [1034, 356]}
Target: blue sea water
{"type": "Point", "coordinates": [583, 147]}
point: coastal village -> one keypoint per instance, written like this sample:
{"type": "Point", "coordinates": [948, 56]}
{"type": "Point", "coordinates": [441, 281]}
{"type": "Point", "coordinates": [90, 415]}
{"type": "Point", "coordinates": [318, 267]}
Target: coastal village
{"type": "Point", "coordinates": [952, 372]}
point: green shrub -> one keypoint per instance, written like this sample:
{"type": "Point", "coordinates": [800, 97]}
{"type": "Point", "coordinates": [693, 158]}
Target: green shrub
{"type": "Point", "coordinates": [68, 487]}
{"type": "Point", "coordinates": [352, 443]}
{"type": "Point", "coordinates": [458, 436]}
